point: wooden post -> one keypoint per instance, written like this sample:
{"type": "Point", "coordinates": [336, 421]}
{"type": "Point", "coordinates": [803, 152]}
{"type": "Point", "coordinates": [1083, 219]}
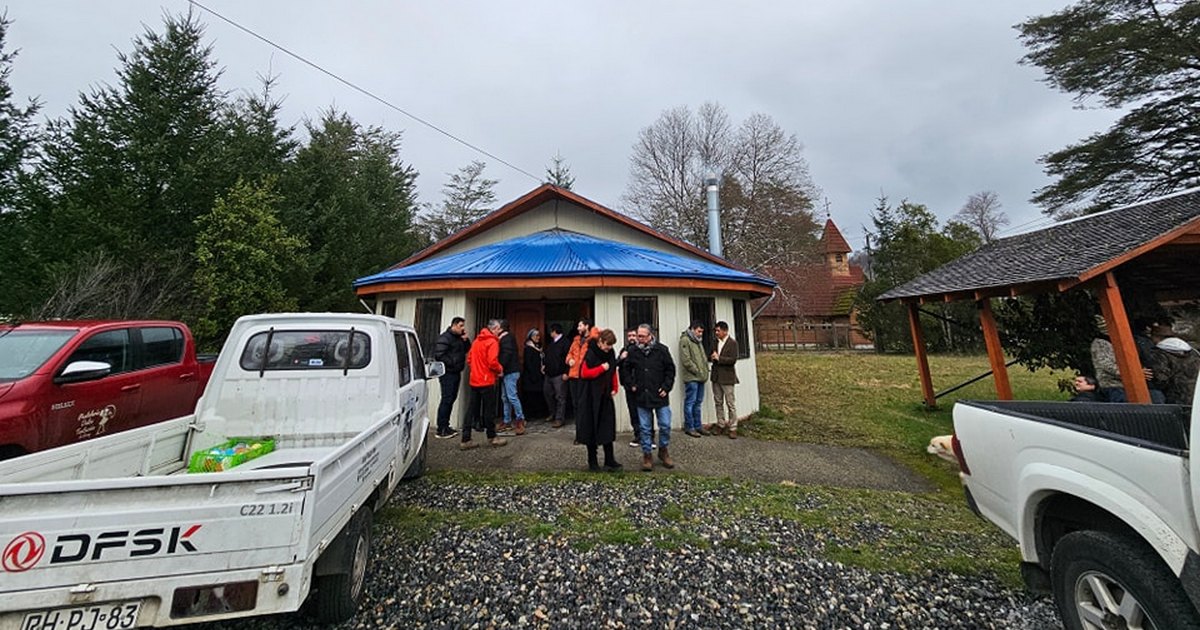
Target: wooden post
{"type": "Point", "coordinates": [918, 338]}
{"type": "Point", "coordinates": [991, 338]}
{"type": "Point", "coordinates": [1136, 390]}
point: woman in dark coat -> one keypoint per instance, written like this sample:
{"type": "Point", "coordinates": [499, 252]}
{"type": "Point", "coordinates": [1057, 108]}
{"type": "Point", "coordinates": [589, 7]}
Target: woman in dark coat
{"type": "Point", "coordinates": [597, 418]}
{"type": "Point", "coordinates": [532, 399]}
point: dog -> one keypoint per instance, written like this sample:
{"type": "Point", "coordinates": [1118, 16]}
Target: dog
{"type": "Point", "coordinates": [941, 446]}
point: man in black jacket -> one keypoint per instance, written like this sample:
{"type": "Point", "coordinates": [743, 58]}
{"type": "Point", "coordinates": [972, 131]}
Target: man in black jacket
{"type": "Point", "coordinates": [514, 415]}
{"type": "Point", "coordinates": [554, 366]}
{"type": "Point", "coordinates": [652, 372]}
{"type": "Point", "coordinates": [451, 349]}
{"type": "Point", "coordinates": [626, 377]}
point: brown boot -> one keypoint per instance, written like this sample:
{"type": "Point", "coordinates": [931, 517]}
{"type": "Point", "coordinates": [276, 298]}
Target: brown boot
{"type": "Point", "coordinates": [519, 429]}
{"type": "Point", "coordinates": [665, 457]}
{"type": "Point", "coordinates": [647, 462]}
{"type": "Point", "coordinates": [497, 441]}
{"type": "Point", "coordinates": [733, 434]}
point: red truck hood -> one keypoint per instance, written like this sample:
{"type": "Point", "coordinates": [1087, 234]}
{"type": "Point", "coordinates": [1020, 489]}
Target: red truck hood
{"type": "Point", "coordinates": [5, 388]}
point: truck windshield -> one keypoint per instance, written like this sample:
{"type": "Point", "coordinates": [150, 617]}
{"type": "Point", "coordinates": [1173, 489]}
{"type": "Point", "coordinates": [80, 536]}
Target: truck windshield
{"type": "Point", "coordinates": [23, 351]}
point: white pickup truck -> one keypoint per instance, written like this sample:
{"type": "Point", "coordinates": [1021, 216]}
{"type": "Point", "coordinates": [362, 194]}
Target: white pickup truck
{"type": "Point", "coordinates": [117, 533]}
{"type": "Point", "coordinates": [1101, 497]}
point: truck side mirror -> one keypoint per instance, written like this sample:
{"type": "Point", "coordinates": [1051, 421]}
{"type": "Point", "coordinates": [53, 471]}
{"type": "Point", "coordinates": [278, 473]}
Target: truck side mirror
{"type": "Point", "coordinates": [79, 371]}
{"type": "Point", "coordinates": [434, 369]}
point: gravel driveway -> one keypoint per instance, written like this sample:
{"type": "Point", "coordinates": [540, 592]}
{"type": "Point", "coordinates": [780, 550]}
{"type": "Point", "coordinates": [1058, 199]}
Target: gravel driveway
{"type": "Point", "coordinates": [468, 555]}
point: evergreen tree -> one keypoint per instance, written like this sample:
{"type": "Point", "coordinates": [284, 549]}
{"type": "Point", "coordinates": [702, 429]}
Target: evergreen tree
{"type": "Point", "coordinates": [908, 243]}
{"type": "Point", "coordinates": [466, 198]}
{"type": "Point", "coordinates": [1138, 56]}
{"type": "Point", "coordinates": [559, 174]}
{"type": "Point", "coordinates": [18, 138]}
{"type": "Point", "coordinates": [242, 253]}
{"type": "Point", "coordinates": [351, 199]}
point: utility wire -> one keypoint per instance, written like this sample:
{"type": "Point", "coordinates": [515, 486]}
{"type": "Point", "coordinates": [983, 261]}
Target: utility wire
{"type": "Point", "coordinates": [363, 91]}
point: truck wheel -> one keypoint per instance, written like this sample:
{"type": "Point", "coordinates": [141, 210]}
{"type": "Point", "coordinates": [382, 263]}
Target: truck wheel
{"type": "Point", "coordinates": [339, 595]}
{"type": "Point", "coordinates": [417, 467]}
{"type": "Point", "coordinates": [1104, 580]}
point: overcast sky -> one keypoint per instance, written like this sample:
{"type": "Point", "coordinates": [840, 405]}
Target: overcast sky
{"type": "Point", "coordinates": [920, 99]}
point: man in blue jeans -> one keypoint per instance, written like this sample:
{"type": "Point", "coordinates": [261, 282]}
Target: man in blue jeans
{"type": "Point", "coordinates": [693, 371]}
{"type": "Point", "coordinates": [653, 373]}
{"type": "Point", "coordinates": [514, 415]}
{"type": "Point", "coordinates": [451, 349]}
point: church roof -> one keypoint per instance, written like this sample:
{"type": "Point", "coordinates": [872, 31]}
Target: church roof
{"type": "Point", "coordinates": [811, 290]}
{"type": "Point", "coordinates": [833, 240]}
{"type": "Point", "coordinates": [559, 253]}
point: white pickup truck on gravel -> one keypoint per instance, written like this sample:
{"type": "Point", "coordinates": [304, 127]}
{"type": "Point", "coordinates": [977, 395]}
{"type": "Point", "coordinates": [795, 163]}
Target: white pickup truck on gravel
{"type": "Point", "coordinates": [1101, 497]}
{"type": "Point", "coordinates": [117, 532]}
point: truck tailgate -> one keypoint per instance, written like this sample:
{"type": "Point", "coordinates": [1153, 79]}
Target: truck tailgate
{"type": "Point", "coordinates": [59, 534]}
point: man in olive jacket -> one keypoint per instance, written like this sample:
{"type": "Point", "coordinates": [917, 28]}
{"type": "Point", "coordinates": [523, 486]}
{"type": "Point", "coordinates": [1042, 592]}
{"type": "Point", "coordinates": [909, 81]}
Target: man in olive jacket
{"type": "Point", "coordinates": [653, 373]}
{"type": "Point", "coordinates": [693, 364]}
{"type": "Point", "coordinates": [724, 379]}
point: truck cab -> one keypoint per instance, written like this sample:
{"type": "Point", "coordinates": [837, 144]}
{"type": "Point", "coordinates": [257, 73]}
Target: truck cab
{"type": "Point", "coordinates": [69, 381]}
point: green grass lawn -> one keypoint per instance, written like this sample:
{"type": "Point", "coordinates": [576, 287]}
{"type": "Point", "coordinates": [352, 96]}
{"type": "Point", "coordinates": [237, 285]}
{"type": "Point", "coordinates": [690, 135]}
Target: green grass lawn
{"type": "Point", "coordinates": [874, 401]}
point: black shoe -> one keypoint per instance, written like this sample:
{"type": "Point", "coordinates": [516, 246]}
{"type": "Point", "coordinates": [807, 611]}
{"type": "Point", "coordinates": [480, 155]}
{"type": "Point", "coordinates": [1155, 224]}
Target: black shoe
{"type": "Point", "coordinates": [595, 468]}
{"type": "Point", "coordinates": [448, 433]}
{"type": "Point", "coordinates": [612, 466]}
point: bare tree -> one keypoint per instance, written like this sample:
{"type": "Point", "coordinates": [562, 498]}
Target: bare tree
{"type": "Point", "coordinates": [99, 287]}
{"type": "Point", "coordinates": [766, 193]}
{"type": "Point", "coordinates": [982, 213]}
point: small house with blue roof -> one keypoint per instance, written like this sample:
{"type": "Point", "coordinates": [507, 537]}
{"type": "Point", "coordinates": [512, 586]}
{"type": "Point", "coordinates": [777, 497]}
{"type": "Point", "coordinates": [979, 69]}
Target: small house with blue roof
{"type": "Point", "coordinates": [553, 256]}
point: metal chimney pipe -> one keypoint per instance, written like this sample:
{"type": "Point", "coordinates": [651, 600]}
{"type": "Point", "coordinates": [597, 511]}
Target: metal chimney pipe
{"type": "Point", "coordinates": [714, 214]}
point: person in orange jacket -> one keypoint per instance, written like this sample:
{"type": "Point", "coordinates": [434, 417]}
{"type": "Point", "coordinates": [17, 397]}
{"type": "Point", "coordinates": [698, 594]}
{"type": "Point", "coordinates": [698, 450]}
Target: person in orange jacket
{"type": "Point", "coordinates": [579, 345]}
{"type": "Point", "coordinates": [484, 361]}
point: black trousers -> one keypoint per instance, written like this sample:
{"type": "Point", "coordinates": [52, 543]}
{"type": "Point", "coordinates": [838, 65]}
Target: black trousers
{"type": "Point", "coordinates": [482, 412]}
{"type": "Point", "coordinates": [449, 383]}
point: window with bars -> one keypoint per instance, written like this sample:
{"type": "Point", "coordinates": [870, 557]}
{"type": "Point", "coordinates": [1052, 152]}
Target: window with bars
{"type": "Point", "coordinates": [704, 310]}
{"type": "Point", "coordinates": [428, 321]}
{"type": "Point", "coordinates": [640, 309]}
{"type": "Point", "coordinates": [740, 331]}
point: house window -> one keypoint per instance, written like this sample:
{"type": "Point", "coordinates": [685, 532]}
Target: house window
{"type": "Point", "coordinates": [837, 257]}
{"type": "Point", "coordinates": [388, 308]}
{"type": "Point", "coordinates": [740, 331]}
{"type": "Point", "coordinates": [704, 310]}
{"type": "Point", "coordinates": [428, 321]}
{"type": "Point", "coordinates": [640, 309]}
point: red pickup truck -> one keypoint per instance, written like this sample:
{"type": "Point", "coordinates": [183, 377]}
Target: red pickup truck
{"type": "Point", "coordinates": [69, 381]}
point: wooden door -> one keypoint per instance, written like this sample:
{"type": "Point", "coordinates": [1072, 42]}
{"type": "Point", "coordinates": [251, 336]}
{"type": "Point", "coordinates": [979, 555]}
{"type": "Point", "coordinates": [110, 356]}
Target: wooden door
{"type": "Point", "coordinates": [521, 317]}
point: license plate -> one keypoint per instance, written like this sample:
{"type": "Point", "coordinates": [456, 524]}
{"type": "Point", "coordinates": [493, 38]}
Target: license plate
{"type": "Point", "coordinates": [114, 616]}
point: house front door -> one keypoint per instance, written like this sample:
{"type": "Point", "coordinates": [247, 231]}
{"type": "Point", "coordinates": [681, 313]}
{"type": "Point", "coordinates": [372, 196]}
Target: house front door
{"type": "Point", "coordinates": [521, 317]}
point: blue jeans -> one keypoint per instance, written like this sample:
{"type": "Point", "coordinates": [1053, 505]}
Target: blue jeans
{"type": "Point", "coordinates": [693, 405]}
{"type": "Point", "coordinates": [646, 419]}
{"type": "Point", "coordinates": [512, 402]}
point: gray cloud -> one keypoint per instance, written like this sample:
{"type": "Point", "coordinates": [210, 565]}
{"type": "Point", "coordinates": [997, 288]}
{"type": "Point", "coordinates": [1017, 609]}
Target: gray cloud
{"type": "Point", "coordinates": [921, 99]}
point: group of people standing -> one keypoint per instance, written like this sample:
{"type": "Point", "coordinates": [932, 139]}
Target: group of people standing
{"type": "Point", "coordinates": [586, 372]}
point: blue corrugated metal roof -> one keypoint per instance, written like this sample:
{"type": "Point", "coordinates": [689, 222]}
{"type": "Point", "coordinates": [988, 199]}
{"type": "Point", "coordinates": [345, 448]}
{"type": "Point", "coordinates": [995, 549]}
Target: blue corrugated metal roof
{"type": "Point", "coordinates": [559, 253]}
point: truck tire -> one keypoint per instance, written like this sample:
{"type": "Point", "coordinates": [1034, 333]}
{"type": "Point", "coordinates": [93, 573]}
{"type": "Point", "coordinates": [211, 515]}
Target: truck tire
{"type": "Point", "coordinates": [1108, 580]}
{"type": "Point", "coordinates": [339, 595]}
{"type": "Point", "coordinates": [417, 467]}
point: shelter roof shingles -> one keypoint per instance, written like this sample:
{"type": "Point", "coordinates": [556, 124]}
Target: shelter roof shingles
{"type": "Point", "coordinates": [1063, 251]}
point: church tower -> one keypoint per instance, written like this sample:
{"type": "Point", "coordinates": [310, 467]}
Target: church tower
{"type": "Point", "coordinates": [837, 250]}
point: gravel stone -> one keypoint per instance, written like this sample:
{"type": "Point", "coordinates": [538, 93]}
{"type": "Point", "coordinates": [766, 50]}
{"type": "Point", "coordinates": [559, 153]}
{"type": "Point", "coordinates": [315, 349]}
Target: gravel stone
{"type": "Point", "coordinates": [502, 578]}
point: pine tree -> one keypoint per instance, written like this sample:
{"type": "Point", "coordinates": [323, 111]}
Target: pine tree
{"type": "Point", "coordinates": [466, 198]}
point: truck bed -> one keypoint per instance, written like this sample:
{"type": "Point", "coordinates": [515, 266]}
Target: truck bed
{"type": "Point", "coordinates": [1159, 427]}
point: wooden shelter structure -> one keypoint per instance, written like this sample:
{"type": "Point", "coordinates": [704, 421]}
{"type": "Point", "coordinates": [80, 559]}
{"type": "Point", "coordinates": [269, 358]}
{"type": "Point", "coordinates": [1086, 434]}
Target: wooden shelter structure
{"type": "Point", "coordinates": [1153, 245]}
